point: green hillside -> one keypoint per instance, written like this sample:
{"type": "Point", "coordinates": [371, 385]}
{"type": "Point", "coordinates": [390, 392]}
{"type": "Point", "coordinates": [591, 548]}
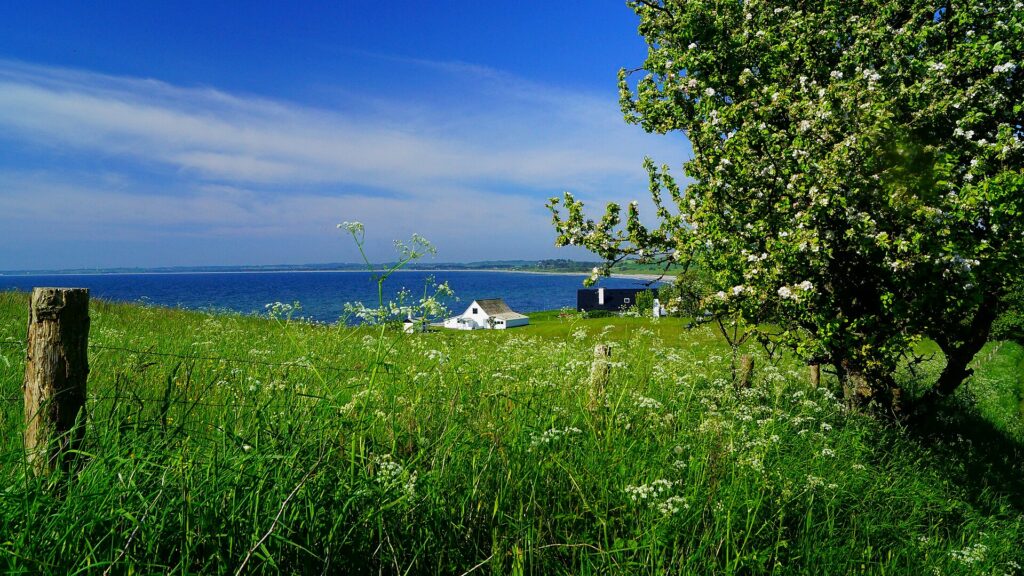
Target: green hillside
{"type": "Point", "coordinates": [216, 443]}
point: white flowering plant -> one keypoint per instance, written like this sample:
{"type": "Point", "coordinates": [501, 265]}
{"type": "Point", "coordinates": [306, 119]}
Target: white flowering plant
{"type": "Point", "coordinates": [858, 167]}
{"type": "Point", "coordinates": [430, 305]}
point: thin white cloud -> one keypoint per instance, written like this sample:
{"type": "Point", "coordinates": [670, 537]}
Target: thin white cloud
{"type": "Point", "coordinates": [523, 134]}
{"type": "Point", "coordinates": [473, 174]}
{"type": "Point", "coordinates": [60, 212]}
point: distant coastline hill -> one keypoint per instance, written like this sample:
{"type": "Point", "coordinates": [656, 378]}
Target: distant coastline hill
{"type": "Point", "coordinates": [552, 265]}
{"type": "Point", "coordinates": [516, 265]}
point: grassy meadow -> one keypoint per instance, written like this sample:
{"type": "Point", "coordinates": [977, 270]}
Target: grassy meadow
{"type": "Point", "coordinates": [229, 444]}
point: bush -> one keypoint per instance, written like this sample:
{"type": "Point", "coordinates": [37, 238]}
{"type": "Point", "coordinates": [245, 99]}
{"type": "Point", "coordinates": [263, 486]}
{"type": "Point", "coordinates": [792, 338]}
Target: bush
{"type": "Point", "coordinates": [684, 296]}
{"type": "Point", "coordinates": [644, 302]}
{"type": "Point", "coordinates": [1010, 324]}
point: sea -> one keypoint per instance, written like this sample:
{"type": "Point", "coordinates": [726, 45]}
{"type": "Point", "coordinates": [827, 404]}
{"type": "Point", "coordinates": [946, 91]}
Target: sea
{"type": "Point", "coordinates": [322, 295]}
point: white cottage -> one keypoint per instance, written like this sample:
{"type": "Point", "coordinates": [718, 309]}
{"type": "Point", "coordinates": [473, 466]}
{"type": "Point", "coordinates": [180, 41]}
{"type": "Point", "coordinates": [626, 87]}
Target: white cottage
{"type": "Point", "coordinates": [492, 313]}
{"type": "Point", "coordinates": [412, 325]}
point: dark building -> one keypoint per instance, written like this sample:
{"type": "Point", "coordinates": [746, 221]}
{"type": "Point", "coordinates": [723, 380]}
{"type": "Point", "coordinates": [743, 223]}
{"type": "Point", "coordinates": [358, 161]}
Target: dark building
{"type": "Point", "coordinates": [612, 299]}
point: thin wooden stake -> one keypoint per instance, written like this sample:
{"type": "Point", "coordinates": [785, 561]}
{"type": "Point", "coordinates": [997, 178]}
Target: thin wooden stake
{"type": "Point", "coordinates": [815, 371]}
{"type": "Point", "coordinates": [56, 369]}
{"type": "Point", "coordinates": [600, 370]}
{"type": "Point", "coordinates": [746, 372]}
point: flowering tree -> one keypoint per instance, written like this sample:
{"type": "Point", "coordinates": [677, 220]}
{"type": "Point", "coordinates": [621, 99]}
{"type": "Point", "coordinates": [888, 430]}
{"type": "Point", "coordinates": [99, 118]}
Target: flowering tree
{"type": "Point", "coordinates": [857, 171]}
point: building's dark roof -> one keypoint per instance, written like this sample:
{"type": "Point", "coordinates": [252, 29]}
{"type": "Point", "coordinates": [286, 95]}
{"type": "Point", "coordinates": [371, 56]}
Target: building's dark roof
{"type": "Point", "coordinates": [615, 291]}
{"type": "Point", "coordinates": [496, 308]}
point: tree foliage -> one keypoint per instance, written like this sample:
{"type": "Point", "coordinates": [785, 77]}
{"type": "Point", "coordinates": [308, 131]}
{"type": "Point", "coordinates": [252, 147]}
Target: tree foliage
{"type": "Point", "coordinates": [856, 172]}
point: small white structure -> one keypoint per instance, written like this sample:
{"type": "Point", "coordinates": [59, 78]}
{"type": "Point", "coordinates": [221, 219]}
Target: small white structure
{"type": "Point", "coordinates": [412, 325]}
{"type": "Point", "coordinates": [492, 314]}
{"type": "Point", "coordinates": [659, 310]}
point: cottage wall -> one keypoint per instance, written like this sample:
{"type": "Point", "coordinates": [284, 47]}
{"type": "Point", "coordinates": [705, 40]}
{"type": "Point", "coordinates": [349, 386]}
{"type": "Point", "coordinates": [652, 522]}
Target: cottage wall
{"type": "Point", "coordinates": [479, 317]}
{"type": "Point", "coordinates": [614, 299]}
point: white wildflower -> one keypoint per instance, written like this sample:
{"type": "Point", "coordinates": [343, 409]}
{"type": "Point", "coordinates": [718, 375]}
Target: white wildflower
{"type": "Point", "coordinates": [970, 555]}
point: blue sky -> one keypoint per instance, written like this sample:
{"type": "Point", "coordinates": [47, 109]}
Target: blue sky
{"type": "Point", "coordinates": [207, 133]}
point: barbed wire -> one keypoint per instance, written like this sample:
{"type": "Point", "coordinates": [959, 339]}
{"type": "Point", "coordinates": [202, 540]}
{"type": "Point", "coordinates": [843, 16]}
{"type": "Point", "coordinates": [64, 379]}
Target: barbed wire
{"type": "Point", "coordinates": [305, 365]}
{"type": "Point", "coordinates": [173, 401]}
{"type": "Point", "coordinates": [288, 364]}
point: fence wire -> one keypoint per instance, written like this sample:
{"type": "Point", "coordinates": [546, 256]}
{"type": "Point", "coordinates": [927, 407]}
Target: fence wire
{"type": "Point", "coordinates": [288, 364]}
{"type": "Point", "coordinates": [291, 364]}
{"type": "Point", "coordinates": [303, 365]}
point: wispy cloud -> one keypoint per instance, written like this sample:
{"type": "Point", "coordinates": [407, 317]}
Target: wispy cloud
{"type": "Point", "coordinates": [472, 172]}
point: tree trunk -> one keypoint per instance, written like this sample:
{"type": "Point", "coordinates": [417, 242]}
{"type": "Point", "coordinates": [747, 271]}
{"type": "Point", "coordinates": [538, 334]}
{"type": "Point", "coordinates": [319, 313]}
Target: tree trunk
{"type": "Point", "coordinates": [56, 369]}
{"type": "Point", "coordinates": [870, 389]}
{"type": "Point", "coordinates": [959, 357]}
{"type": "Point", "coordinates": [856, 390]}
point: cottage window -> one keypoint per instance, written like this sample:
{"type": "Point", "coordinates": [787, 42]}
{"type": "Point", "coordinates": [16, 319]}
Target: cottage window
{"type": "Point", "coordinates": [476, 311]}
{"type": "Point", "coordinates": [626, 300]}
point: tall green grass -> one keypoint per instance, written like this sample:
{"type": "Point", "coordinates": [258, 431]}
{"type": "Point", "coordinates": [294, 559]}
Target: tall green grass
{"type": "Point", "coordinates": [267, 446]}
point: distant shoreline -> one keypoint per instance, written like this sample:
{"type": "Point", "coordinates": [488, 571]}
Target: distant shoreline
{"type": "Point", "coordinates": [631, 276]}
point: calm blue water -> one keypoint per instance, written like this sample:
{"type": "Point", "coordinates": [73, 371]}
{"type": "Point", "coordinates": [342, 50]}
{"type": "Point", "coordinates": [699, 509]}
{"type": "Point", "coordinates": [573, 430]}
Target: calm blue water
{"type": "Point", "coordinates": [322, 294]}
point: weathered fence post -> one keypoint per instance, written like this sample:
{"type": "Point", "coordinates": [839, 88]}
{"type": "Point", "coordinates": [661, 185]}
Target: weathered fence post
{"type": "Point", "coordinates": [746, 373]}
{"type": "Point", "coordinates": [815, 370]}
{"type": "Point", "coordinates": [599, 372]}
{"type": "Point", "coordinates": [56, 368]}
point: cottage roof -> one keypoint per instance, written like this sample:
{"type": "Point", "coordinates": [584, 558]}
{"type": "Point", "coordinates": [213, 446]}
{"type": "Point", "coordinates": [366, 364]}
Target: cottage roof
{"type": "Point", "coordinates": [496, 308]}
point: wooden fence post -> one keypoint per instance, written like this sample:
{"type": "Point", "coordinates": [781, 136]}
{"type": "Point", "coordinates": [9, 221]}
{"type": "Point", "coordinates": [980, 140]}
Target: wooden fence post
{"type": "Point", "coordinates": [815, 370]}
{"type": "Point", "coordinates": [600, 369]}
{"type": "Point", "coordinates": [56, 368]}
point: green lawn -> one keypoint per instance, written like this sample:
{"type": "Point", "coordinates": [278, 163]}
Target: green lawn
{"type": "Point", "coordinates": [218, 441]}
